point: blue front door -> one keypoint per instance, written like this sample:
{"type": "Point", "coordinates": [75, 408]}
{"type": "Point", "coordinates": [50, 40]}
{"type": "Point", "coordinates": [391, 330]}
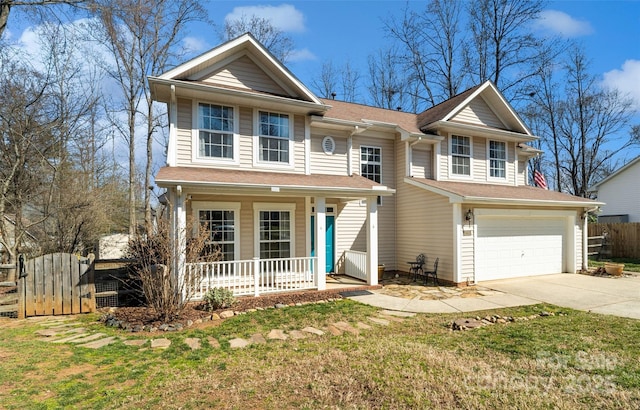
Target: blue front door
{"type": "Point", "coordinates": [329, 241]}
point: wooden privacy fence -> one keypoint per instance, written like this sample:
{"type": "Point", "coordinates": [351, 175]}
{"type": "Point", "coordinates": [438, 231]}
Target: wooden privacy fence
{"type": "Point", "coordinates": [56, 284]}
{"type": "Point", "coordinates": [623, 239]}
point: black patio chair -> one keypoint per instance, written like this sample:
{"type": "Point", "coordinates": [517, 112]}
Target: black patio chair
{"type": "Point", "coordinates": [417, 267]}
{"type": "Point", "coordinates": [433, 273]}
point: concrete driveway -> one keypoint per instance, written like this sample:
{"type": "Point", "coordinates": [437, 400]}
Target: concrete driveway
{"type": "Point", "coordinates": [611, 296]}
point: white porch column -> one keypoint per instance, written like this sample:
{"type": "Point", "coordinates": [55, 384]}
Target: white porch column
{"type": "Point", "coordinates": [372, 240]}
{"type": "Point", "coordinates": [180, 235]}
{"type": "Point", "coordinates": [321, 242]}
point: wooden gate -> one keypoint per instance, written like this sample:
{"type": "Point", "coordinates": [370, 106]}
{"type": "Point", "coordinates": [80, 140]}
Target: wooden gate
{"type": "Point", "coordinates": [56, 284]}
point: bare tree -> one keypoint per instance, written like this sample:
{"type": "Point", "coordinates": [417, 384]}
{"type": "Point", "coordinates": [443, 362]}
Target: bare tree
{"type": "Point", "coordinates": [431, 43]}
{"type": "Point", "coordinates": [143, 38]}
{"type": "Point", "coordinates": [7, 5]}
{"type": "Point", "coordinates": [274, 39]}
{"type": "Point", "coordinates": [340, 81]}
{"type": "Point", "coordinates": [387, 86]}
{"type": "Point", "coordinates": [503, 49]}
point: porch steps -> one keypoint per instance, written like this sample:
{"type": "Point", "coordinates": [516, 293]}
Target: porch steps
{"type": "Point", "coordinates": [67, 330]}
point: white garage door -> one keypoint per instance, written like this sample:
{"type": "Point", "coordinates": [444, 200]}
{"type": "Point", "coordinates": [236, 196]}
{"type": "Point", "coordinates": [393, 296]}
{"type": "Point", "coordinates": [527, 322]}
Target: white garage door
{"type": "Point", "coordinates": [513, 247]}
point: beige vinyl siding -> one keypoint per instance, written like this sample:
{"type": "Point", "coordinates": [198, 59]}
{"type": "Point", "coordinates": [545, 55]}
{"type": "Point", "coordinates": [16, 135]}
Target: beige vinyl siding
{"type": "Point", "coordinates": [184, 136]}
{"type": "Point", "coordinates": [243, 73]}
{"type": "Point", "coordinates": [424, 225]}
{"type": "Point", "coordinates": [386, 211]}
{"type": "Point", "coordinates": [421, 162]}
{"type": "Point", "coordinates": [522, 168]}
{"type": "Point", "coordinates": [297, 149]}
{"type": "Point", "coordinates": [578, 236]}
{"type": "Point", "coordinates": [479, 159]}
{"type": "Point", "coordinates": [467, 249]}
{"type": "Point", "coordinates": [444, 158]}
{"type": "Point", "coordinates": [246, 137]}
{"type": "Point", "coordinates": [479, 113]}
{"type": "Point", "coordinates": [246, 222]}
{"type": "Point", "coordinates": [351, 230]}
{"type": "Point", "coordinates": [334, 164]}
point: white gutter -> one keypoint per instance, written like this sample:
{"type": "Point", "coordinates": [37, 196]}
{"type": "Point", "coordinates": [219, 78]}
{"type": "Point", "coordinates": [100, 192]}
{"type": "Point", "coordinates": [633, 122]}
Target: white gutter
{"type": "Point", "coordinates": [482, 131]}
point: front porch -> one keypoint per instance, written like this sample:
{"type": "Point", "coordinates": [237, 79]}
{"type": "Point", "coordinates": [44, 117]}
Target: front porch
{"type": "Point", "coordinates": [257, 276]}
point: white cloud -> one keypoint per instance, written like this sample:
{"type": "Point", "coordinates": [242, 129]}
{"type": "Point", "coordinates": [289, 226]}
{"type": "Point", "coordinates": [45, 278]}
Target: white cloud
{"type": "Point", "coordinates": [558, 22]}
{"type": "Point", "coordinates": [194, 45]}
{"type": "Point", "coordinates": [284, 17]}
{"type": "Point", "coordinates": [301, 55]}
{"type": "Point", "coordinates": [626, 80]}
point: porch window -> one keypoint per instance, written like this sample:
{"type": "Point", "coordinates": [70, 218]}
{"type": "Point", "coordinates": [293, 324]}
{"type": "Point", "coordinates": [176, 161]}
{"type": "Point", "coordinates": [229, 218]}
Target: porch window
{"type": "Point", "coordinates": [460, 155]}
{"type": "Point", "coordinates": [371, 164]}
{"type": "Point", "coordinates": [274, 134]}
{"type": "Point", "coordinates": [275, 234]}
{"type": "Point", "coordinates": [221, 226]}
{"type": "Point", "coordinates": [215, 131]}
{"type": "Point", "coordinates": [497, 159]}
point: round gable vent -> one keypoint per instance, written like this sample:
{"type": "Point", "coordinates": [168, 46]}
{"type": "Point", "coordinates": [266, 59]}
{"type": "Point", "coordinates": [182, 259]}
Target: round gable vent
{"type": "Point", "coordinates": [328, 145]}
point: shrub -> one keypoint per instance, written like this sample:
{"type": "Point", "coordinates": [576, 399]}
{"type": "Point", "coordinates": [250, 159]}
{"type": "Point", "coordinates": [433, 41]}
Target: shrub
{"type": "Point", "coordinates": [218, 298]}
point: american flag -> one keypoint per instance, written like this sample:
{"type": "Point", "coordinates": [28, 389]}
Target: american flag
{"type": "Point", "coordinates": [538, 179]}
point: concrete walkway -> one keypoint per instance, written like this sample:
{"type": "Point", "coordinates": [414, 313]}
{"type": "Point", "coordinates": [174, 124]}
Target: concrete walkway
{"type": "Point", "coordinates": [614, 296]}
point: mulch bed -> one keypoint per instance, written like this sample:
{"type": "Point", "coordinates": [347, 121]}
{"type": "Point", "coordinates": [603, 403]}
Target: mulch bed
{"type": "Point", "coordinates": [147, 317]}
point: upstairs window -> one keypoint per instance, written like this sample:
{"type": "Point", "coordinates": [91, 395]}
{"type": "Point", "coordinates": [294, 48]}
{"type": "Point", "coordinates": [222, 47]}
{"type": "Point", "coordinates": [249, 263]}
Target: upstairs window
{"type": "Point", "coordinates": [497, 159]}
{"type": "Point", "coordinates": [371, 164]}
{"type": "Point", "coordinates": [215, 131]}
{"type": "Point", "coordinates": [273, 131]}
{"type": "Point", "coordinates": [460, 155]}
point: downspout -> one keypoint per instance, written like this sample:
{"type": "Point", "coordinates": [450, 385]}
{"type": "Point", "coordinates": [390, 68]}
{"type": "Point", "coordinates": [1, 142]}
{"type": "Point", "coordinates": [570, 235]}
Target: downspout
{"type": "Point", "coordinates": [173, 131]}
{"type": "Point", "coordinates": [349, 153]}
{"type": "Point", "coordinates": [585, 237]}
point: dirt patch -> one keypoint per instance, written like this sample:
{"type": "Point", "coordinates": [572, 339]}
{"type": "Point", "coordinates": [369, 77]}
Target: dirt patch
{"type": "Point", "coordinates": [195, 312]}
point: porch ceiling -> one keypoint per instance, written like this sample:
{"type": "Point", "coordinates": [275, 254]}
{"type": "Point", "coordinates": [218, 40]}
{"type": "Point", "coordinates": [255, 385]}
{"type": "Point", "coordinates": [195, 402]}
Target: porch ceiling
{"type": "Point", "coordinates": [270, 183]}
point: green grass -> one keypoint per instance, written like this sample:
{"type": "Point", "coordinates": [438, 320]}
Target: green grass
{"type": "Point", "coordinates": [631, 265]}
{"type": "Point", "coordinates": [577, 360]}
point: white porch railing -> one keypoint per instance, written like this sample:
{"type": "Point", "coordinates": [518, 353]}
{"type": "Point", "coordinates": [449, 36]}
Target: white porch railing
{"type": "Point", "coordinates": [252, 277]}
{"type": "Point", "coordinates": [355, 264]}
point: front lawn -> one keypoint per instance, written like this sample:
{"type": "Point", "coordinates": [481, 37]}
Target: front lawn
{"type": "Point", "coordinates": [572, 361]}
{"type": "Point", "coordinates": [630, 265]}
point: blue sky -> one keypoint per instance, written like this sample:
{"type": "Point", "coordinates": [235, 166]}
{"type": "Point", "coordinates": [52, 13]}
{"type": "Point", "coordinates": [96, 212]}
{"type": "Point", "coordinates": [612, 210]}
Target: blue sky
{"type": "Point", "coordinates": [343, 31]}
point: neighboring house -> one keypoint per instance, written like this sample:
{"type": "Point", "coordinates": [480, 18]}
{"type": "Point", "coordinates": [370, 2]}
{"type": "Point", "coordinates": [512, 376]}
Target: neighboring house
{"type": "Point", "coordinates": [29, 245]}
{"type": "Point", "coordinates": [278, 172]}
{"type": "Point", "coordinates": [619, 192]}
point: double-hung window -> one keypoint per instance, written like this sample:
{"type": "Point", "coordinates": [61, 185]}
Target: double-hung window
{"type": "Point", "coordinates": [460, 155]}
{"type": "Point", "coordinates": [371, 164]}
{"type": "Point", "coordinates": [215, 131]}
{"type": "Point", "coordinates": [273, 130]}
{"type": "Point", "coordinates": [497, 159]}
{"type": "Point", "coordinates": [220, 220]}
{"type": "Point", "coordinates": [275, 234]}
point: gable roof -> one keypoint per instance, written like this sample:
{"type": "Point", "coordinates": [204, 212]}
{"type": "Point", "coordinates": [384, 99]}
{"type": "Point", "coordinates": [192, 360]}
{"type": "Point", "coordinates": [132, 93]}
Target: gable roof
{"type": "Point", "coordinates": [198, 76]}
{"type": "Point", "coordinates": [444, 113]}
{"type": "Point", "coordinates": [501, 194]}
{"type": "Point", "coordinates": [616, 173]}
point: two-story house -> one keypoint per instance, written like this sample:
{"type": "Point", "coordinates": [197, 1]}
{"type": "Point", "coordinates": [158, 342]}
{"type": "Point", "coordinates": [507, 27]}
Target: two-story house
{"type": "Point", "coordinates": [295, 186]}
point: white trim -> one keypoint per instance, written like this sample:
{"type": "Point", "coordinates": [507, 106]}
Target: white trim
{"type": "Point", "coordinates": [173, 129]}
{"type": "Point", "coordinates": [307, 146]}
{"type": "Point", "coordinates": [488, 161]}
{"type": "Point", "coordinates": [450, 156]}
{"type": "Point", "coordinates": [328, 139]}
{"type": "Point", "coordinates": [273, 206]}
{"type": "Point", "coordinates": [197, 206]}
{"type": "Point", "coordinates": [372, 241]}
{"type": "Point", "coordinates": [195, 136]}
{"type": "Point", "coordinates": [457, 242]}
{"type": "Point", "coordinates": [436, 160]}
{"type": "Point", "coordinates": [256, 142]}
{"type": "Point", "coordinates": [360, 165]}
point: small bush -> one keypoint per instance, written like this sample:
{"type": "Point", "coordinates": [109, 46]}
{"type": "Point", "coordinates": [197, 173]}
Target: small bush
{"type": "Point", "coordinates": [218, 298]}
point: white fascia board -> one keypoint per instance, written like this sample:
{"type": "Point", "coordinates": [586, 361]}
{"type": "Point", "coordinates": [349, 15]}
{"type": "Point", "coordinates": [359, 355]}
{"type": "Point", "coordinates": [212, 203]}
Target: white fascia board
{"type": "Point", "coordinates": [475, 130]}
{"type": "Point", "coordinates": [270, 99]}
{"type": "Point", "coordinates": [455, 198]}
{"type": "Point", "coordinates": [466, 101]}
{"type": "Point", "coordinates": [346, 124]}
{"type": "Point", "coordinates": [381, 190]}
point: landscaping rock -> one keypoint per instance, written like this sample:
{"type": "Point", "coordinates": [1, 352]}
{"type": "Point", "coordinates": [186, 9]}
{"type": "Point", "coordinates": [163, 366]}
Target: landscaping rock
{"type": "Point", "coordinates": [160, 343]}
{"type": "Point", "coordinates": [334, 330]}
{"type": "Point", "coordinates": [226, 314]}
{"type": "Point", "coordinates": [257, 338]}
{"type": "Point", "coordinates": [135, 342]}
{"type": "Point", "coordinates": [99, 343]}
{"type": "Point", "coordinates": [380, 321]}
{"type": "Point", "coordinates": [213, 342]}
{"type": "Point", "coordinates": [313, 330]}
{"type": "Point", "coordinates": [346, 327]}
{"type": "Point", "coordinates": [297, 334]}
{"type": "Point", "coordinates": [277, 334]}
{"type": "Point", "coordinates": [280, 306]}
{"type": "Point", "coordinates": [363, 326]}
{"type": "Point", "coordinates": [466, 324]}
{"type": "Point", "coordinates": [238, 343]}
{"type": "Point", "coordinates": [192, 342]}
